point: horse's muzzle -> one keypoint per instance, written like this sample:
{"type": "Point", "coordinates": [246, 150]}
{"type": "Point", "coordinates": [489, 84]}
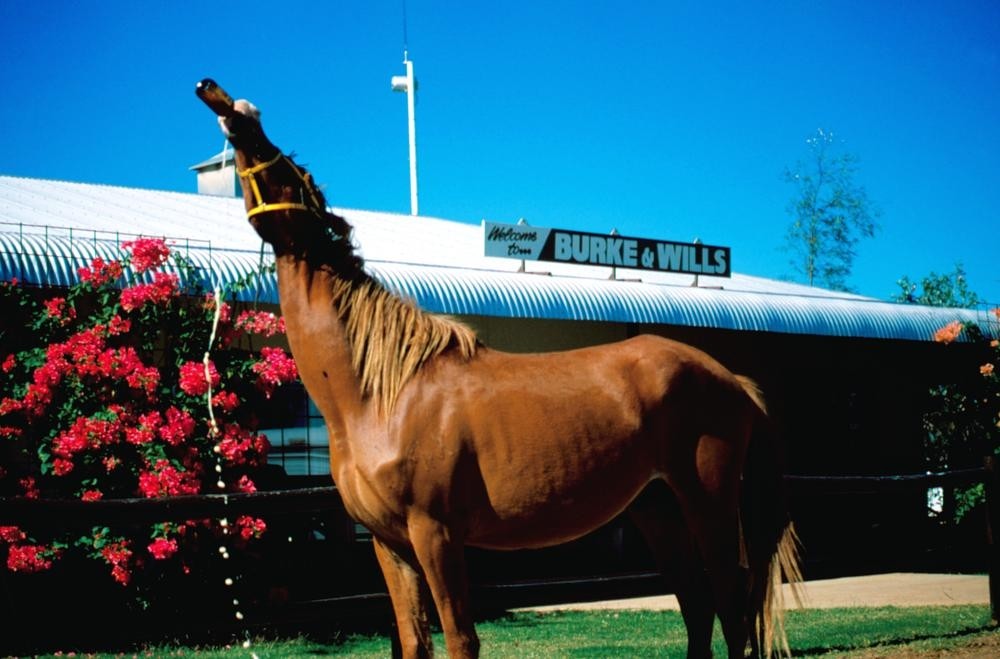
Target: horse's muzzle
{"type": "Point", "coordinates": [215, 97]}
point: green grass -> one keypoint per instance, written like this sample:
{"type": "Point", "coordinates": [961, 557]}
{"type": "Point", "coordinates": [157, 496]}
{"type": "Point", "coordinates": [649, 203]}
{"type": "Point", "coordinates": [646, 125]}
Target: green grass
{"type": "Point", "coordinates": [834, 632]}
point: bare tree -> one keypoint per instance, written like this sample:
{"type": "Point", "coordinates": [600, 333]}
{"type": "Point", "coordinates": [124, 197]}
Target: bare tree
{"type": "Point", "coordinates": [831, 214]}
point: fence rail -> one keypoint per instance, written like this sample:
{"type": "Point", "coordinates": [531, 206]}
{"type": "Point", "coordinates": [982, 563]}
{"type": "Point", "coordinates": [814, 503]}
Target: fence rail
{"type": "Point", "coordinates": [955, 478]}
{"type": "Point", "coordinates": [201, 506]}
{"type": "Point", "coordinates": [77, 513]}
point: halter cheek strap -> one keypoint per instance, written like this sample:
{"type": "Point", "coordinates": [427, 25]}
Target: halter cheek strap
{"type": "Point", "coordinates": [264, 207]}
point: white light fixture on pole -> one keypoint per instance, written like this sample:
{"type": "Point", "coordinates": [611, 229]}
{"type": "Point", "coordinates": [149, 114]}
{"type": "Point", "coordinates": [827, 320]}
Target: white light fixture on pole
{"type": "Point", "coordinates": [408, 84]}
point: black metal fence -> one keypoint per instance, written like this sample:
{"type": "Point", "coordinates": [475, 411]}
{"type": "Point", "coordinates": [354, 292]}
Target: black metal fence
{"type": "Point", "coordinates": [341, 558]}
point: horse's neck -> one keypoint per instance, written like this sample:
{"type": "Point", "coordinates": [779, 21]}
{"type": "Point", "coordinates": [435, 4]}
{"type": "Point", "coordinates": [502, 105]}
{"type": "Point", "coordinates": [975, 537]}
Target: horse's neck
{"type": "Point", "coordinates": [319, 344]}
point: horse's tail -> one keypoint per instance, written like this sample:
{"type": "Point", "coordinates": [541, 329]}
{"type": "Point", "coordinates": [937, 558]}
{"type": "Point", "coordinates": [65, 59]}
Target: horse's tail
{"type": "Point", "coordinates": [771, 544]}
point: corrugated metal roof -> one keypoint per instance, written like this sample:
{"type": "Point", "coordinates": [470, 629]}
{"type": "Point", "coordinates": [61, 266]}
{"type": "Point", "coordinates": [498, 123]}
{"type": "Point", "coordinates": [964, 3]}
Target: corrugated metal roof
{"type": "Point", "coordinates": [54, 260]}
{"type": "Point", "coordinates": [462, 291]}
{"type": "Point", "coordinates": [436, 262]}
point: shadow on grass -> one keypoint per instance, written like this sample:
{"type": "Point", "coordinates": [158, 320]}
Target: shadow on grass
{"type": "Point", "coordinates": [896, 642]}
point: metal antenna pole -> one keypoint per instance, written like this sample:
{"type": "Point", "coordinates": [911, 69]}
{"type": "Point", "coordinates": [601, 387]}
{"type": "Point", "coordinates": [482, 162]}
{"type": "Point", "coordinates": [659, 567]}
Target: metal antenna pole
{"type": "Point", "coordinates": [408, 84]}
{"type": "Point", "coordinates": [411, 111]}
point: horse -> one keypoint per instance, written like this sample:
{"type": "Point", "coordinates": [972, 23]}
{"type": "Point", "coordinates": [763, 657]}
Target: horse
{"type": "Point", "coordinates": [438, 442]}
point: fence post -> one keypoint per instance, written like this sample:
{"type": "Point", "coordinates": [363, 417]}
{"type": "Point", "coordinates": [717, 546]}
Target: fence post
{"type": "Point", "coordinates": [992, 486]}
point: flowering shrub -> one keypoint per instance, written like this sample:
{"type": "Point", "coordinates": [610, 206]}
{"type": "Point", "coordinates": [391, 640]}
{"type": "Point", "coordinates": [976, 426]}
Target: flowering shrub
{"type": "Point", "coordinates": [964, 424]}
{"type": "Point", "coordinates": [107, 397]}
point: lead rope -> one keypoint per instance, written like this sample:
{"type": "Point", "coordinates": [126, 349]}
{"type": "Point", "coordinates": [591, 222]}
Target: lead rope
{"type": "Point", "coordinates": [213, 433]}
{"type": "Point", "coordinates": [260, 278]}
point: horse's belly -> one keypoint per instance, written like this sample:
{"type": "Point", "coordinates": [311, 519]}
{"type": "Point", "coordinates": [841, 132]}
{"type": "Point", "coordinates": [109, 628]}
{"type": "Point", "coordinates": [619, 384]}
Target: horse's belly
{"type": "Point", "coordinates": [529, 524]}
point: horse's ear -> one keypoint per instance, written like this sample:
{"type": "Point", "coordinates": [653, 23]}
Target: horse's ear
{"type": "Point", "coordinates": [244, 109]}
{"type": "Point", "coordinates": [247, 109]}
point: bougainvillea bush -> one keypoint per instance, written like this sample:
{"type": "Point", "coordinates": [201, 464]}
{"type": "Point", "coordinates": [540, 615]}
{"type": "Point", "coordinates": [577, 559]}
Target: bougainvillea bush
{"type": "Point", "coordinates": [963, 424]}
{"type": "Point", "coordinates": [112, 395]}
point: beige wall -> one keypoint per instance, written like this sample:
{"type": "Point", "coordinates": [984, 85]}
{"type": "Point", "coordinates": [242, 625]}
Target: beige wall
{"type": "Point", "coordinates": [539, 335]}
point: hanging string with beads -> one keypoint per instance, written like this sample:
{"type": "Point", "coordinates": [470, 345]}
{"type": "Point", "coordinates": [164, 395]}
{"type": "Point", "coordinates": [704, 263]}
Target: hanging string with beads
{"type": "Point", "coordinates": [214, 433]}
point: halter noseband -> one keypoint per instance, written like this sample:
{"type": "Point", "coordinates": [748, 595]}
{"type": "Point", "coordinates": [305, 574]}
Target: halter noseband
{"type": "Point", "coordinates": [265, 207]}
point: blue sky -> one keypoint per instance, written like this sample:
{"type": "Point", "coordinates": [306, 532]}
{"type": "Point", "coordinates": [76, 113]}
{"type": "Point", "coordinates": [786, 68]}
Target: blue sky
{"type": "Point", "coordinates": [671, 120]}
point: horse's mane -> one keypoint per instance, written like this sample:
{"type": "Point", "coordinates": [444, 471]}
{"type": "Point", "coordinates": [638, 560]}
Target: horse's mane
{"type": "Point", "coordinates": [390, 337]}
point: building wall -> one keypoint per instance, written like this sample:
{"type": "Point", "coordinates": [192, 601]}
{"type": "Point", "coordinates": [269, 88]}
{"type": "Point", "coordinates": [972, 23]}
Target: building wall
{"type": "Point", "coordinates": [844, 405]}
{"type": "Point", "coordinates": [543, 335]}
{"type": "Point", "coordinates": [218, 181]}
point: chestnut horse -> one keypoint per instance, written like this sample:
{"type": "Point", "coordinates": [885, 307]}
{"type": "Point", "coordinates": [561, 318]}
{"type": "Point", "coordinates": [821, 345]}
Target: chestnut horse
{"type": "Point", "coordinates": [438, 441]}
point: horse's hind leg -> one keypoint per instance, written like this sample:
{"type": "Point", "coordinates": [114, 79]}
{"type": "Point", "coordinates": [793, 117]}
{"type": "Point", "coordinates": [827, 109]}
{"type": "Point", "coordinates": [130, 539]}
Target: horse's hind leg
{"type": "Point", "coordinates": [711, 509]}
{"type": "Point", "coordinates": [720, 549]}
{"type": "Point", "coordinates": [410, 600]}
{"type": "Point", "coordinates": [658, 517]}
{"type": "Point", "coordinates": [442, 558]}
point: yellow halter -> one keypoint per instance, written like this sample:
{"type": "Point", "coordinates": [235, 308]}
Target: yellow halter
{"type": "Point", "coordinates": [264, 207]}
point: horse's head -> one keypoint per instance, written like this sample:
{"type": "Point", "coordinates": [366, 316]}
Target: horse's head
{"type": "Point", "coordinates": [283, 204]}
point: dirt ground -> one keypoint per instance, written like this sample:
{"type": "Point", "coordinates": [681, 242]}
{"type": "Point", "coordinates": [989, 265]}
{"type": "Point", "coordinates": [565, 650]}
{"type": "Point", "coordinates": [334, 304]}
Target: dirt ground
{"type": "Point", "coordinates": [896, 589]}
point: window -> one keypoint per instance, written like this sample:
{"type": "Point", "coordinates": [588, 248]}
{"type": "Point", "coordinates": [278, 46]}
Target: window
{"type": "Point", "coordinates": [295, 428]}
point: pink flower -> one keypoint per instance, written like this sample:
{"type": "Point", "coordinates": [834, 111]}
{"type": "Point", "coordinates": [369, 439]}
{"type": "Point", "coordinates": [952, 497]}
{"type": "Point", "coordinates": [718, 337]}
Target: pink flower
{"type": "Point", "coordinates": [192, 378]}
{"type": "Point", "coordinates": [118, 555]}
{"type": "Point", "coordinates": [250, 527]}
{"type": "Point", "coordinates": [162, 548]}
{"type": "Point", "coordinates": [239, 446]}
{"type": "Point", "coordinates": [9, 363]}
{"type": "Point", "coordinates": [118, 325]}
{"type": "Point", "coordinates": [225, 312]}
{"type": "Point", "coordinates": [122, 574]}
{"type": "Point", "coordinates": [29, 486]}
{"type": "Point", "coordinates": [30, 558]}
{"type": "Point", "coordinates": [36, 400]}
{"type": "Point", "coordinates": [84, 434]}
{"type": "Point", "coordinates": [62, 466]}
{"type": "Point", "coordinates": [138, 436]}
{"type": "Point", "coordinates": [58, 309]}
{"type": "Point", "coordinates": [246, 485]}
{"type": "Point", "coordinates": [276, 368]}
{"type": "Point", "coordinates": [165, 480]}
{"type": "Point", "coordinates": [227, 401]}
{"type": "Point", "coordinates": [260, 322]}
{"type": "Point", "coordinates": [11, 534]}
{"type": "Point", "coordinates": [144, 378]}
{"type": "Point", "coordinates": [147, 253]}
{"type": "Point", "coordinates": [92, 495]}
{"type": "Point", "coordinates": [164, 287]}
{"type": "Point", "coordinates": [100, 272]}
{"type": "Point", "coordinates": [178, 427]}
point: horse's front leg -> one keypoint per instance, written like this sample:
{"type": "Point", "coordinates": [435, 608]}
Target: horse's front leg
{"type": "Point", "coordinates": [442, 557]}
{"type": "Point", "coordinates": [410, 601]}
{"type": "Point", "coordinates": [657, 515]}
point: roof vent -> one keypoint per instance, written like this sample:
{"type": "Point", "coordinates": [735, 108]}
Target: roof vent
{"type": "Point", "coordinates": [217, 175]}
